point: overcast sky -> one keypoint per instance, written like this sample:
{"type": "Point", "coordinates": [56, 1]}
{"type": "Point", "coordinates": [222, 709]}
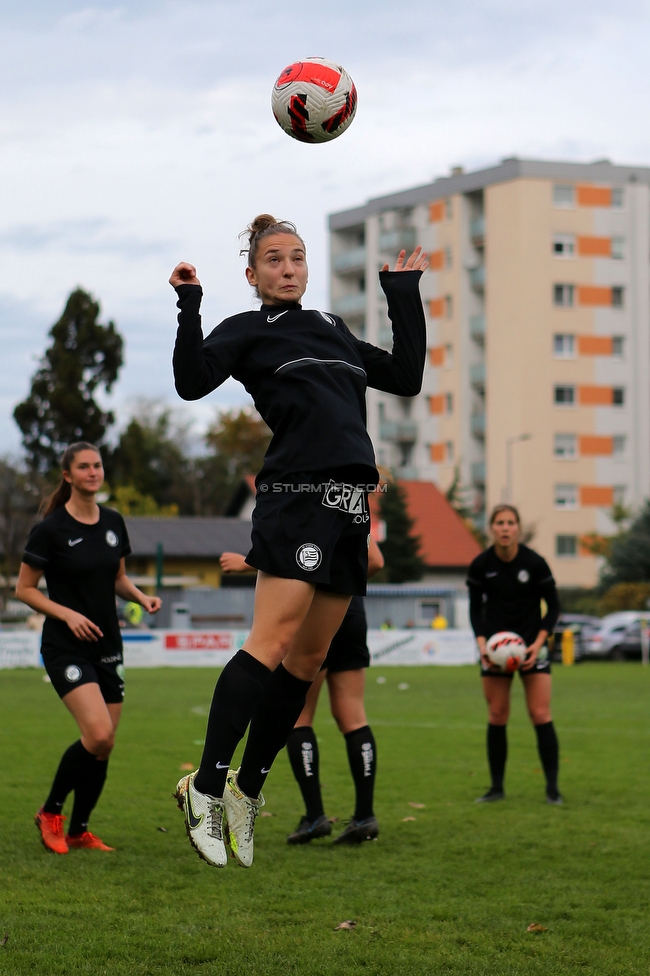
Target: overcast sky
{"type": "Point", "coordinates": [137, 134]}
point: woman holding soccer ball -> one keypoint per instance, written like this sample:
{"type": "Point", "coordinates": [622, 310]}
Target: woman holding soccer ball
{"type": "Point", "coordinates": [307, 374]}
{"type": "Point", "coordinates": [80, 548]}
{"type": "Point", "coordinates": [506, 585]}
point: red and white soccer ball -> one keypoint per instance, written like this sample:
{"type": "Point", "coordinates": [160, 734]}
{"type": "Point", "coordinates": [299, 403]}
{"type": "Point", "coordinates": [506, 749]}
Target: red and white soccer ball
{"type": "Point", "coordinates": [314, 100]}
{"type": "Point", "coordinates": [506, 650]}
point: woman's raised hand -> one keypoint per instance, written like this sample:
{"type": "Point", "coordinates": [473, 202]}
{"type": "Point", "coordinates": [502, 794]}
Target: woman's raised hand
{"type": "Point", "coordinates": [184, 274]}
{"type": "Point", "coordinates": [419, 261]}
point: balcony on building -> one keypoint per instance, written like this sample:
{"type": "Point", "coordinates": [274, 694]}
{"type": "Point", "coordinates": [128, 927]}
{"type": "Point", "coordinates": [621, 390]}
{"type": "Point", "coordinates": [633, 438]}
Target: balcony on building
{"type": "Point", "coordinates": [394, 241]}
{"type": "Point", "coordinates": [399, 431]}
{"type": "Point", "coordinates": [477, 376]}
{"type": "Point", "coordinates": [477, 328]}
{"type": "Point", "coordinates": [477, 425]}
{"type": "Point", "coordinates": [477, 231]}
{"type": "Point", "coordinates": [351, 261]}
{"type": "Point", "coordinates": [350, 306]}
{"type": "Point", "coordinates": [478, 473]}
{"type": "Point", "coordinates": [477, 278]}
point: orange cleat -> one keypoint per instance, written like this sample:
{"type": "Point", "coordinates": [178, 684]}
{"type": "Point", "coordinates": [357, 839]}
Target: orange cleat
{"type": "Point", "coordinates": [51, 828]}
{"type": "Point", "coordinates": [87, 840]}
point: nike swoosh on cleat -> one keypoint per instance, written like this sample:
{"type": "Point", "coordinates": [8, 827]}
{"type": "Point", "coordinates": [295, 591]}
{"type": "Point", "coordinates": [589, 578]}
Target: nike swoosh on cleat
{"type": "Point", "coordinates": [73, 542]}
{"type": "Point", "coordinates": [192, 819]}
{"type": "Point", "coordinates": [265, 771]}
{"type": "Point", "coordinates": [274, 318]}
{"type": "Point", "coordinates": [222, 766]}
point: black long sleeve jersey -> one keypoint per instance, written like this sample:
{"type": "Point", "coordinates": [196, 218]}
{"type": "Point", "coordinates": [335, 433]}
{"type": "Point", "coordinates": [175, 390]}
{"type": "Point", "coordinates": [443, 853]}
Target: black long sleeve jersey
{"type": "Point", "coordinates": [507, 596]}
{"type": "Point", "coordinates": [306, 372]}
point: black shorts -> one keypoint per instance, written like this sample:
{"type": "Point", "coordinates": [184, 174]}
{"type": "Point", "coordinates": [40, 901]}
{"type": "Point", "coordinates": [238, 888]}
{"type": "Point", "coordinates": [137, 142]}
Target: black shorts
{"type": "Point", "coordinates": [69, 669]}
{"type": "Point", "coordinates": [349, 650]}
{"type": "Point", "coordinates": [314, 526]}
{"type": "Point", "coordinates": [542, 666]}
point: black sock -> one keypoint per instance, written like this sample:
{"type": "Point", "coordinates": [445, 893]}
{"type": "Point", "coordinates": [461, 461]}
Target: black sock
{"type": "Point", "coordinates": [86, 794]}
{"type": "Point", "coordinates": [72, 765]}
{"type": "Point", "coordinates": [281, 704]}
{"type": "Point", "coordinates": [549, 752]}
{"type": "Point", "coordinates": [497, 750]}
{"type": "Point", "coordinates": [302, 747]}
{"type": "Point", "coordinates": [362, 756]}
{"type": "Point", "coordinates": [236, 696]}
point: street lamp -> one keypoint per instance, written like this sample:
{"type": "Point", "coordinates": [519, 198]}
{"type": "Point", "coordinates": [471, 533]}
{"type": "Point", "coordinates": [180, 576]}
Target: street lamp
{"type": "Point", "coordinates": [509, 442]}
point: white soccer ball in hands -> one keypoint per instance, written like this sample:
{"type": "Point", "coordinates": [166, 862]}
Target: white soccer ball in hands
{"type": "Point", "coordinates": [314, 100]}
{"type": "Point", "coordinates": [506, 651]}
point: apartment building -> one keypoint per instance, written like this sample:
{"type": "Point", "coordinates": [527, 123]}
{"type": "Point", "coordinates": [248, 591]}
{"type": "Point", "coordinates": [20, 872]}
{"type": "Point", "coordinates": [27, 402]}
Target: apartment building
{"type": "Point", "coordinates": [537, 388]}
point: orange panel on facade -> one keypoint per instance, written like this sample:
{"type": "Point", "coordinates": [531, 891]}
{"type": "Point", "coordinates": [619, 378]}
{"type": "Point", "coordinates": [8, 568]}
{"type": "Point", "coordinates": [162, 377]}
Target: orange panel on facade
{"type": "Point", "coordinates": [438, 452]}
{"type": "Point", "coordinates": [595, 247]}
{"type": "Point", "coordinates": [594, 295]}
{"type": "Point", "coordinates": [595, 396]}
{"type": "Point", "coordinates": [436, 260]}
{"type": "Point", "coordinates": [591, 345]}
{"type": "Point", "coordinates": [596, 495]}
{"type": "Point", "coordinates": [437, 403]}
{"type": "Point", "coordinates": [436, 211]}
{"type": "Point", "coordinates": [437, 355]}
{"type": "Point", "coordinates": [596, 446]}
{"type": "Point", "coordinates": [594, 196]}
{"type": "Point", "coordinates": [437, 308]}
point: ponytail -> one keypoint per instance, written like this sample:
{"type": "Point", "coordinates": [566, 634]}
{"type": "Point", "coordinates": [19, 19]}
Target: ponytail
{"type": "Point", "coordinates": [63, 492]}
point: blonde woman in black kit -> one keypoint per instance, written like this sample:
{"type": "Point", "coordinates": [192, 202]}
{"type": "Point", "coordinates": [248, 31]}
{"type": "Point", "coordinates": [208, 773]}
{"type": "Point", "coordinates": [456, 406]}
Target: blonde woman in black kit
{"type": "Point", "coordinates": [307, 374]}
{"type": "Point", "coordinates": [80, 548]}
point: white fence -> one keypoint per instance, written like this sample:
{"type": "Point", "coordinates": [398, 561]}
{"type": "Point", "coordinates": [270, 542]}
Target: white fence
{"type": "Point", "coordinates": [203, 648]}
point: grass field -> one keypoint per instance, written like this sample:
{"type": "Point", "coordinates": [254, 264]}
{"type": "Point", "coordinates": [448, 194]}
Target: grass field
{"type": "Point", "coordinates": [451, 892]}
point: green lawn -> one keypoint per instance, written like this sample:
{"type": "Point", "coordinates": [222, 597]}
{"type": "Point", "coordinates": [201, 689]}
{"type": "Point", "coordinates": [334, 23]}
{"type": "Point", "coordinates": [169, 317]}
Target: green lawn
{"type": "Point", "coordinates": [451, 892]}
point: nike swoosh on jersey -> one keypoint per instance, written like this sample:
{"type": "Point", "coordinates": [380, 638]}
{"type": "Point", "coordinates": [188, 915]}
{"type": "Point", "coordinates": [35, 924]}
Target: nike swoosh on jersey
{"type": "Point", "coordinates": [192, 819]}
{"type": "Point", "coordinates": [265, 771]}
{"type": "Point", "coordinates": [73, 542]}
{"type": "Point", "coordinates": [489, 575]}
{"type": "Point", "coordinates": [274, 318]}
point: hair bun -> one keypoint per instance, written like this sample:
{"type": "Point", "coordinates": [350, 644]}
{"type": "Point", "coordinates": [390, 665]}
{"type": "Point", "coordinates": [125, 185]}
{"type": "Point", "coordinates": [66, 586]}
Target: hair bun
{"type": "Point", "coordinates": [261, 223]}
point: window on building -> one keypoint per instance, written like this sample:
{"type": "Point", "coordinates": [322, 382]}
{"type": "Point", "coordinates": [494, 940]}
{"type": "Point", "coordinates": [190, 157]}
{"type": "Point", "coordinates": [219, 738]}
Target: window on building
{"type": "Point", "coordinates": [565, 496]}
{"type": "Point", "coordinates": [619, 494]}
{"type": "Point", "coordinates": [564, 345]}
{"type": "Point", "coordinates": [618, 396]}
{"type": "Point", "coordinates": [427, 610]}
{"type": "Point", "coordinates": [618, 248]}
{"type": "Point", "coordinates": [449, 450]}
{"type": "Point", "coordinates": [449, 402]}
{"type": "Point", "coordinates": [563, 195]}
{"type": "Point", "coordinates": [565, 446]}
{"type": "Point", "coordinates": [564, 245]}
{"type": "Point", "coordinates": [449, 355]}
{"type": "Point", "coordinates": [618, 346]}
{"type": "Point", "coordinates": [448, 208]}
{"type": "Point", "coordinates": [617, 296]}
{"type": "Point", "coordinates": [566, 545]}
{"type": "Point", "coordinates": [447, 257]}
{"type": "Point", "coordinates": [563, 295]}
{"type": "Point", "coordinates": [619, 445]}
{"type": "Point", "coordinates": [564, 395]}
{"type": "Point", "coordinates": [406, 455]}
{"type": "Point", "coordinates": [449, 306]}
{"type": "Point", "coordinates": [617, 197]}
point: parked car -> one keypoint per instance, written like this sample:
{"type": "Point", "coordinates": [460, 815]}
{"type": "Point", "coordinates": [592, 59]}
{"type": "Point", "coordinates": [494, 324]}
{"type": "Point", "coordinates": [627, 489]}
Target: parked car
{"type": "Point", "coordinates": [618, 636]}
{"type": "Point", "coordinates": [583, 627]}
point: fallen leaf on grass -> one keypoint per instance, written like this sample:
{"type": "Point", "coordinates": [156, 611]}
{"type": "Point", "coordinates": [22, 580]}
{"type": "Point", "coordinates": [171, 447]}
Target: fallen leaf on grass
{"type": "Point", "coordinates": [163, 830]}
{"type": "Point", "coordinates": [186, 766]}
{"type": "Point", "coordinates": [416, 806]}
{"type": "Point", "coordinates": [407, 819]}
{"type": "Point", "coordinates": [348, 924]}
{"type": "Point", "coordinates": [333, 819]}
{"type": "Point", "coordinates": [6, 938]}
{"type": "Point", "coordinates": [265, 813]}
{"type": "Point", "coordinates": [536, 927]}
{"type": "Point", "coordinates": [403, 687]}
{"type": "Point", "coordinates": [381, 680]}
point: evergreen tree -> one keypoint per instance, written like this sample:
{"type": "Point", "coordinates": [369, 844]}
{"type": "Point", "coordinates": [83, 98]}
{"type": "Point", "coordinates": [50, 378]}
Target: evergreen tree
{"type": "Point", "coordinates": [60, 408]}
{"type": "Point", "coordinates": [150, 459]}
{"type": "Point", "coordinates": [400, 548]}
{"type": "Point", "coordinates": [629, 553]}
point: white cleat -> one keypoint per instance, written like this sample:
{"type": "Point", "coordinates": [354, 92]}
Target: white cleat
{"type": "Point", "coordinates": [204, 821]}
{"type": "Point", "coordinates": [241, 812]}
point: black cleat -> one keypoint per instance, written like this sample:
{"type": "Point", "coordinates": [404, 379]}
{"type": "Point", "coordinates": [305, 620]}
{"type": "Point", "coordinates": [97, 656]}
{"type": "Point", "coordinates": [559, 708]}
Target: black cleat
{"type": "Point", "coordinates": [358, 831]}
{"type": "Point", "coordinates": [310, 829]}
{"type": "Point", "coordinates": [491, 796]}
{"type": "Point", "coordinates": [555, 798]}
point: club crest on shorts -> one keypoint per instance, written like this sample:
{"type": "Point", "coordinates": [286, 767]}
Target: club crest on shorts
{"type": "Point", "coordinates": [111, 538]}
{"type": "Point", "coordinates": [523, 575]}
{"type": "Point", "coordinates": [72, 673]}
{"type": "Point", "coordinates": [309, 557]}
